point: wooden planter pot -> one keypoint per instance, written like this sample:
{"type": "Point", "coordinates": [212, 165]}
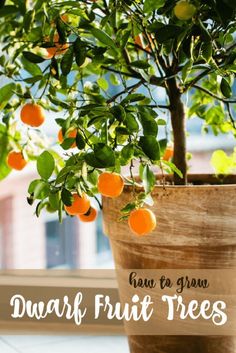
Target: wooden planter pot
{"type": "Point", "coordinates": [196, 229]}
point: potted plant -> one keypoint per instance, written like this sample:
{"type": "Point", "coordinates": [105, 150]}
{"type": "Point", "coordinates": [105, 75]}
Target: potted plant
{"type": "Point", "coordinates": [105, 64]}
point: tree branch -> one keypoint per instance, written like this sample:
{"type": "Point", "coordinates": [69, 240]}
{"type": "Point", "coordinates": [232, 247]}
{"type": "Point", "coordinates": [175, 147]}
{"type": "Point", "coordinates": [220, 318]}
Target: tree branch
{"type": "Point", "coordinates": [198, 78]}
{"type": "Point", "coordinates": [127, 89]}
{"type": "Point", "coordinates": [233, 122]}
{"type": "Point", "coordinates": [213, 95]}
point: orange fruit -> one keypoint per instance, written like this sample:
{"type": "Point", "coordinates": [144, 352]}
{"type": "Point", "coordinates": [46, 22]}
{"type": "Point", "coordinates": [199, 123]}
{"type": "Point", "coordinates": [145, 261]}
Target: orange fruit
{"type": "Point", "coordinates": [65, 17]}
{"type": "Point", "coordinates": [80, 205]}
{"type": "Point", "coordinates": [15, 160]}
{"type": "Point", "coordinates": [169, 152]}
{"type": "Point", "coordinates": [184, 10]}
{"type": "Point", "coordinates": [57, 49]}
{"type": "Point", "coordinates": [32, 114]}
{"type": "Point", "coordinates": [71, 134]}
{"type": "Point", "coordinates": [90, 216]}
{"type": "Point", "coordinates": [110, 184]}
{"type": "Point", "coordinates": [142, 221]}
{"type": "Point", "coordinates": [138, 40]}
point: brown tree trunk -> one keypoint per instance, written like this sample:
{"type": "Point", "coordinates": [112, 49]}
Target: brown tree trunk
{"type": "Point", "coordinates": [179, 133]}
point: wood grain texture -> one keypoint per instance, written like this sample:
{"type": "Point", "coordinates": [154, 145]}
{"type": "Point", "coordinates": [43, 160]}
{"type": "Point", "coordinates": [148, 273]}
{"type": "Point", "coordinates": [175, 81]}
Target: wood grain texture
{"type": "Point", "coordinates": [196, 228]}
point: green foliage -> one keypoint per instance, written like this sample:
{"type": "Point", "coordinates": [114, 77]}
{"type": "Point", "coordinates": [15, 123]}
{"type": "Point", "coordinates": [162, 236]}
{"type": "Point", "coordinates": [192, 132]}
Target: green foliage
{"type": "Point", "coordinates": [45, 165]}
{"type": "Point", "coordinates": [104, 65]}
{"type": "Point", "coordinates": [222, 163]}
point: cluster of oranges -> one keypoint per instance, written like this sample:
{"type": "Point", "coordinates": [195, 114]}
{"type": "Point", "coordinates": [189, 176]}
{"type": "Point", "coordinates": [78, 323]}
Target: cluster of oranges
{"type": "Point", "coordinates": [82, 208]}
{"type": "Point", "coordinates": [141, 220]}
{"type": "Point", "coordinates": [33, 115]}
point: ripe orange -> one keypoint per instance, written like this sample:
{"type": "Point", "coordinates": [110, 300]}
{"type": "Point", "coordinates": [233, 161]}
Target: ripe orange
{"type": "Point", "coordinates": [169, 152]}
{"type": "Point", "coordinates": [80, 205]}
{"type": "Point", "coordinates": [90, 216]}
{"type": "Point", "coordinates": [71, 134]}
{"type": "Point", "coordinates": [142, 221]}
{"type": "Point", "coordinates": [32, 114]}
{"type": "Point", "coordinates": [65, 17]}
{"type": "Point", "coordinates": [138, 40]}
{"type": "Point", "coordinates": [184, 10]}
{"type": "Point", "coordinates": [57, 49]}
{"type": "Point", "coordinates": [15, 160]}
{"type": "Point", "coordinates": [110, 184]}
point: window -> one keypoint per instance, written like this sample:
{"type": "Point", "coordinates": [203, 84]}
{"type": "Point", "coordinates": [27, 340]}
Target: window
{"type": "Point", "coordinates": [61, 243]}
{"type": "Point", "coordinates": [103, 244]}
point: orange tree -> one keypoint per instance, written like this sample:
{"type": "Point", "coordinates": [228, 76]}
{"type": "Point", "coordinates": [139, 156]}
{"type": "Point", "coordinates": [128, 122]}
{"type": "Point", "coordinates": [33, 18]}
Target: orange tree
{"type": "Point", "coordinates": [104, 64]}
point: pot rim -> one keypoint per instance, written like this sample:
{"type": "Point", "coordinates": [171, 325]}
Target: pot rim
{"type": "Point", "coordinates": [194, 181]}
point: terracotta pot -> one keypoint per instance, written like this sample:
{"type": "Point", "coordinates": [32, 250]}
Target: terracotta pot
{"type": "Point", "coordinates": [196, 229]}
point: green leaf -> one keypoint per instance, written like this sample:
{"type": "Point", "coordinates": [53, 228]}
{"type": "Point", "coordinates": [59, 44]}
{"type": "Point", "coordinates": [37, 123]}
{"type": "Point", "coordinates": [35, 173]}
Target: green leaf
{"type": "Point", "coordinates": [149, 124]}
{"type": "Point", "coordinates": [54, 200]}
{"type": "Point", "coordinates": [103, 37]}
{"type": "Point", "coordinates": [131, 123]}
{"type": "Point", "coordinates": [134, 97]}
{"type": "Point", "coordinates": [45, 165]}
{"type": "Point", "coordinates": [162, 145]}
{"type": "Point", "coordinates": [222, 163]}
{"type": "Point", "coordinates": [39, 189]}
{"type": "Point", "coordinates": [206, 51]}
{"type": "Point", "coordinates": [67, 143]}
{"type": "Point", "coordinates": [33, 58]}
{"type": "Point", "coordinates": [33, 69]}
{"type": "Point", "coordinates": [140, 64]}
{"type": "Point", "coordinates": [118, 112]}
{"type": "Point", "coordinates": [8, 10]}
{"type": "Point", "coordinates": [167, 32]}
{"type": "Point", "coordinates": [80, 52]}
{"type": "Point", "coordinates": [80, 143]}
{"type": "Point", "coordinates": [114, 80]}
{"type": "Point", "coordinates": [67, 61]}
{"type": "Point", "coordinates": [225, 88]}
{"type": "Point", "coordinates": [161, 122]}
{"type": "Point", "coordinates": [150, 147]}
{"type": "Point", "coordinates": [54, 70]}
{"type": "Point", "coordinates": [66, 197]}
{"type": "Point", "coordinates": [28, 19]}
{"type": "Point", "coordinates": [6, 92]}
{"type": "Point", "coordinates": [61, 30]}
{"type": "Point", "coordinates": [128, 208]}
{"type": "Point", "coordinates": [151, 5]}
{"type": "Point", "coordinates": [33, 79]}
{"type": "Point", "coordinates": [40, 206]}
{"type": "Point", "coordinates": [127, 153]}
{"type": "Point", "coordinates": [104, 154]}
{"type": "Point", "coordinates": [102, 83]}
{"type": "Point", "coordinates": [4, 169]}
{"type": "Point", "coordinates": [148, 178]}
{"type": "Point", "coordinates": [186, 69]}
{"type": "Point", "coordinates": [173, 168]}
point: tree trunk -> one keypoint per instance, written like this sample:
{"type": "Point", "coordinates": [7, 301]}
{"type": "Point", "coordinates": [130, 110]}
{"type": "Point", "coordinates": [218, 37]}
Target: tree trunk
{"type": "Point", "coordinates": [179, 132]}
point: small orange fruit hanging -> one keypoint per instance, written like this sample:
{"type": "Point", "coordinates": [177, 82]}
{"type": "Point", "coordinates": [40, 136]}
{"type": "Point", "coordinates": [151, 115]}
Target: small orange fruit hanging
{"type": "Point", "coordinates": [90, 216]}
{"type": "Point", "coordinates": [15, 160]}
{"type": "Point", "coordinates": [57, 48]}
{"type": "Point", "coordinates": [80, 205]}
{"type": "Point", "coordinates": [110, 184]}
{"type": "Point", "coordinates": [71, 134]}
{"type": "Point", "coordinates": [169, 152]}
{"type": "Point", "coordinates": [142, 221]}
{"type": "Point", "coordinates": [32, 114]}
